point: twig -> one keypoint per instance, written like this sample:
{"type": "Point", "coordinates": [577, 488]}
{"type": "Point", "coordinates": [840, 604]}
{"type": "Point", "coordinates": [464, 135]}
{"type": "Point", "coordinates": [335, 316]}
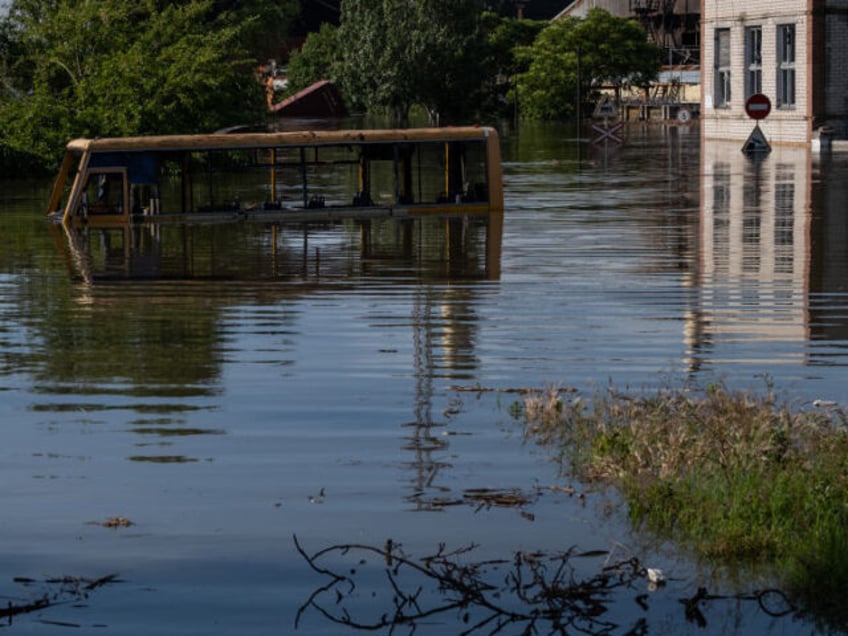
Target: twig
{"type": "Point", "coordinates": [551, 600]}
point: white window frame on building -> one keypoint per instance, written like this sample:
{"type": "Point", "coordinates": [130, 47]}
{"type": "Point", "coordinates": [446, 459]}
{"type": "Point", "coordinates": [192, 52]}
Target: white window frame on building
{"type": "Point", "coordinates": [786, 65]}
{"type": "Point", "coordinates": [721, 64]}
{"type": "Point", "coordinates": [753, 60]}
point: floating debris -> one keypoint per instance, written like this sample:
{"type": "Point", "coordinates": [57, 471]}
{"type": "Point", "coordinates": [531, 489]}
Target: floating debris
{"type": "Point", "coordinates": [61, 590]}
{"type": "Point", "coordinates": [442, 502]}
{"type": "Point", "coordinates": [454, 407]}
{"type": "Point", "coordinates": [117, 522]}
{"type": "Point", "coordinates": [489, 389]}
{"type": "Point", "coordinates": [113, 522]}
{"type": "Point", "coordinates": [483, 498]}
{"type": "Point", "coordinates": [821, 404]}
{"type": "Point", "coordinates": [496, 497]}
{"type": "Point", "coordinates": [568, 490]}
{"type": "Point", "coordinates": [656, 579]}
{"type": "Point", "coordinates": [656, 575]}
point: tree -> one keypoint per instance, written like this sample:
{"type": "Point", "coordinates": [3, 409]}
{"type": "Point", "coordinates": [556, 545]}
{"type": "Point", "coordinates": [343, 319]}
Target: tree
{"type": "Point", "coordinates": [127, 67]}
{"type": "Point", "coordinates": [266, 23]}
{"type": "Point", "coordinates": [450, 71]}
{"type": "Point", "coordinates": [376, 57]}
{"type": "Point", "coordinates": [504, 37]}
{"type": "Point", "coordinates": [599, 49]}
{"type": "Point", "coordinates": [318, 59]}
{"type": "Point", "coordinates": [399, 53]}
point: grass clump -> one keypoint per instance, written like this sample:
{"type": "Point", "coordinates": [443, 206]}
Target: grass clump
{"type": "Point", "coordinates": [734, 476]}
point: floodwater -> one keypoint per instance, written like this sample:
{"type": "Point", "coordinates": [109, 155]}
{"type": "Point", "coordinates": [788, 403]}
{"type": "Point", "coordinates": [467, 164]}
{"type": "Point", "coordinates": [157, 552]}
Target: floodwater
{"type": "Point", "coordinates": [226, 389]}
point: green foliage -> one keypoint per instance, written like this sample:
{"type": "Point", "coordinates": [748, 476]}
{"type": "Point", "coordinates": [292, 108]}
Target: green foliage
{"type": "Point", "coordinates": [574, 57]}
{"type": "Point", "coordinates": [734, 476]}
{"type": "Point", "coordinates": [264, 24]}
{"type": "Point", "coordinates": [374, 57]}
{"type": "Point", "coordinates": [318, 59]}
{"type": "Point", "coordinates": [504, 38]}
{"type": "Point", "coordinates": [397, 54]}
{"type": "Point", "coordinates": [451, 74]}
{"type": "Point", "coordinates": [76, 68]}
{"type": "Point", "coordinates": [821, 571]}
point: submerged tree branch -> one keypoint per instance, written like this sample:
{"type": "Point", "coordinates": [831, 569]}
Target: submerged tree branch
{"type": "Point", "coordinates": [56, 591]}
{"type": "Point", "coordinates": [537, 594]}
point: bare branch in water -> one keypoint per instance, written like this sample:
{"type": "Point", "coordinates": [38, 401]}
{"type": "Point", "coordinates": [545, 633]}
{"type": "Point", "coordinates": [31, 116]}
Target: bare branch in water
{"type": "Point", "coordinates": [56, 591]}
{"type": "Point", "coordinates": [537, 593]}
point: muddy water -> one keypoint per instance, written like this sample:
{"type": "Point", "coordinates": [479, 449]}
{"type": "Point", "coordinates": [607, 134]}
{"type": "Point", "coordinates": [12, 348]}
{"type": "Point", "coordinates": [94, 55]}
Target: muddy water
{"type": "Point", "coordinates": [225, 389]}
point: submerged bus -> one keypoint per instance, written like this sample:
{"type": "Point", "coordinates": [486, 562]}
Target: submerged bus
{"type": "Point", "coordinates": [279, 176]}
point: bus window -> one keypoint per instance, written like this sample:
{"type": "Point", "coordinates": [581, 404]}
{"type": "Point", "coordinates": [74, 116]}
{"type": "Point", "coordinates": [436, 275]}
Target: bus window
{"type": "Point", "coordinates": [103, 193]}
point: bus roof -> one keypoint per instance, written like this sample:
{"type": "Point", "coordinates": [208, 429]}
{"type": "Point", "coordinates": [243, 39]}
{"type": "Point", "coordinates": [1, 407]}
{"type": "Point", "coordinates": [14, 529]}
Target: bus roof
{"type": "Point", "coordinates": [226, 141]}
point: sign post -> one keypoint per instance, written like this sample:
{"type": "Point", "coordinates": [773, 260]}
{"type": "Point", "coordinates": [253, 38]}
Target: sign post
{"type": "Point", "coordinates": [606, 109]}
{"type": "Point", "coordinates": [757, 107]}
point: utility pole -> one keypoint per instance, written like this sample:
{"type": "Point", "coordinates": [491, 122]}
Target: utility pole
{"type": "Point", "coordinates": [519, 9]}
{"type": "Point", "coordinates": [578, 92]}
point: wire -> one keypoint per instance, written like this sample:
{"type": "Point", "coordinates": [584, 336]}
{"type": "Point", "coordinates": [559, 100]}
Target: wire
{"type": "Point", "coordinates": [327, 5]}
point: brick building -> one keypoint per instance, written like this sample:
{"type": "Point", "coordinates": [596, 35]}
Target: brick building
{"type": "Point", "coordinates": [793, 51]}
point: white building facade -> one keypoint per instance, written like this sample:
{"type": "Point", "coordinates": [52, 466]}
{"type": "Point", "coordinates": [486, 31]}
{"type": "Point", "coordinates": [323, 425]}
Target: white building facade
{"type": "Point", "coordinates": [792, 51]}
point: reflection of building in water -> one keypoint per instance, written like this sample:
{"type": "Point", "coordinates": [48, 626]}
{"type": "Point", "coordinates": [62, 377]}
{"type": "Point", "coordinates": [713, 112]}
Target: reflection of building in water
{"type": "Point", "coordinates": [829, 279]}
{"type": "Point", "coordinates": [755, 245]}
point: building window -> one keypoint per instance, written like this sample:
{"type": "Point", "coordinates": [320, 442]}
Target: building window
{"type": "Point", "coordinates": [786, 66]}
{"type": "Point", "coordinates": [753, 61]}
{"type": "Point", "coordinates": [722, 68]}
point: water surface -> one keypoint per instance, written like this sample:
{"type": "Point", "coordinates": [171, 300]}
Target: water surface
{"type": "Point", "coordinates": [226, 388]}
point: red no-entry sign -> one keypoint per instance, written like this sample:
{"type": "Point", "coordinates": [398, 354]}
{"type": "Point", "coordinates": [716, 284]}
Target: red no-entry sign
{"type": "Point", "coordinates": [758, 106]}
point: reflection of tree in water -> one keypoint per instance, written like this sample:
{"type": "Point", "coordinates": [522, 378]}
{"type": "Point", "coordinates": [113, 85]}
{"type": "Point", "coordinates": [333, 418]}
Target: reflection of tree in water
{"type": "Point", "coordinates": [164, 339]}
{"type": "Point", "coordinates": [160, 342]}
{"type": "Point", "coordinates": [381, 589]}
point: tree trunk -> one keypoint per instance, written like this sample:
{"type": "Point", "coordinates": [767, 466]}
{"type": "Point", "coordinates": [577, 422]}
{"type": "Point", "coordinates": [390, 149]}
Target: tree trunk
{"type": "Point", "coordinates": [400, 115]}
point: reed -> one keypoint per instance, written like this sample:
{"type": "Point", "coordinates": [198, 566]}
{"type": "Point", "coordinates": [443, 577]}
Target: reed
{"type": "Point", "coordinates": [736, 476]}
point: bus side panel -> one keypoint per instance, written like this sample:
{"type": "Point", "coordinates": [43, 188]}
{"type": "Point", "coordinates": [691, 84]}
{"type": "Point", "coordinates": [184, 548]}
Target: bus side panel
{"type": "Point", "coordinates": [493, 152]}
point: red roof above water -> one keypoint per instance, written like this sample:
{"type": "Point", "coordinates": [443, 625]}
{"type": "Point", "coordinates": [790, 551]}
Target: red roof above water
{"type": "Point", "coordinates": [321, 99]}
